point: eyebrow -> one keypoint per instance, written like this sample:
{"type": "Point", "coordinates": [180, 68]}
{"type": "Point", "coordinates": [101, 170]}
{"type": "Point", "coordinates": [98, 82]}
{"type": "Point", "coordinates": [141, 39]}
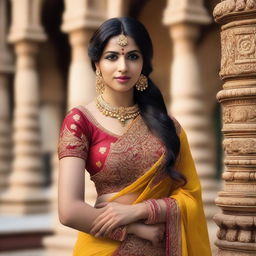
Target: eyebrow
{"type": "Point", "coordinates": [114, 52]}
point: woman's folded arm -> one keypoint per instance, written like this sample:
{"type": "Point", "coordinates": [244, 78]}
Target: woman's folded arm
{"type": "Point", "coordinates": [72, 209]}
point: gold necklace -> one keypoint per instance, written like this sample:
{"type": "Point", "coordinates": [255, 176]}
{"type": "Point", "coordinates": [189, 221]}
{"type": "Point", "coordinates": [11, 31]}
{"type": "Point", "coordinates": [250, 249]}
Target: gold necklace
{"type": "Point", "coordinates": [121, 113]}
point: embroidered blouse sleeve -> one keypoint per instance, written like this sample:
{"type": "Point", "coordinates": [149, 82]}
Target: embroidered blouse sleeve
{"type": "Point", "coordinates": [73, 140]}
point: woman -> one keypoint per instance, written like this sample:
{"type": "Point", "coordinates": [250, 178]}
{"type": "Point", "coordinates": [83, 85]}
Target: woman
{"type": "Point", "coordinates": [149, 196]}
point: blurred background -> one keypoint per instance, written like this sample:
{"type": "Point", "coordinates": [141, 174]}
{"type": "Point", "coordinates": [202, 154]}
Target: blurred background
{"type": "Point", "coordinates": [45, 70]}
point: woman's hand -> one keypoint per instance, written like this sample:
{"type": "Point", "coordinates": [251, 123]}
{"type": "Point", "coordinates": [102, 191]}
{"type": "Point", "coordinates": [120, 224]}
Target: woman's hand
{"type": "Point", "coordinates": [115, 215]}
{"type": "Point", "coordinates": [153, 233]}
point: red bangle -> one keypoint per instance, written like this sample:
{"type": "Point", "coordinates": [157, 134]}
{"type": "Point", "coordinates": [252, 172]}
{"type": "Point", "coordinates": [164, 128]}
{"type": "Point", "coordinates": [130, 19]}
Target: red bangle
{"type": "Point", "coordinates": [154, 210]}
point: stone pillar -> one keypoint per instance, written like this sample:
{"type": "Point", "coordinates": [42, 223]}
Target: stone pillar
{"type": "Point", "coordinates": [52, 95]}
{"type": "Point", "coordinates": [6, 68]}
{"type": "Point", "coordinates": [187, 93]}
{"type": "Point", "coordinates": [237, 200]}
{"type": "Point", "coordinates": [79, 21]}
{"type": "Point", "coordinates": [25, 193]}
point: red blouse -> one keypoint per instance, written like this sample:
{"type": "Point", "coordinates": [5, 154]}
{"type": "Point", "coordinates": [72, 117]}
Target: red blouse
{"type": "Point", "coordinates": [113, 161]}
{"type": "Point", "coordinates": [81, 136]}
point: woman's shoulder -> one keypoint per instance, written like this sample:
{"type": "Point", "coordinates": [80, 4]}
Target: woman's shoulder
{"type": "Point", "coordinates": [78, 117]}
{"type": "Point", "coordinates": [75, 114]}
{"type": "Point", "coordinates": [84, 111]}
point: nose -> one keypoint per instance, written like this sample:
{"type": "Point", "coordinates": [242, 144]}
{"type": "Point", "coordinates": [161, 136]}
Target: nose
{"type": "Point", "coordinates": [122, 65]}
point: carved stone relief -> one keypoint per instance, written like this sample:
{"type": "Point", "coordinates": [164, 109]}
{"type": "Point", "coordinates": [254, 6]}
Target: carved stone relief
{"type": "Point", "coordinates": [239, 114]}
{"type": "Point", "coordinates": [238, 51]}
{"type": "Point", "coordinates": [240, 146]}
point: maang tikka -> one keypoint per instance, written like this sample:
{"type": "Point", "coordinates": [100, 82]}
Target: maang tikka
{"type": "Point", "coordinates": [99, 82]}
{"type": "Point", "coordinates": [122, 40]}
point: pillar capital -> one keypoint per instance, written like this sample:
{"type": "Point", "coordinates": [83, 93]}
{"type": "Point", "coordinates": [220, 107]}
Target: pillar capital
{"type": "Point", "coordinates": [181, 31]}
{"type": "Point", "coordinates": [237, 38]}
{"type": "Point", "coordinates": [26, 27]}
{"type": "Point", "coordinates": [84, 14]}
{"type": "Point", "coordinates": [229, 10]}
{"type": "Point", "coordinates": [185, 11]}
{"type": "Point", "coordinates": [80, 37]}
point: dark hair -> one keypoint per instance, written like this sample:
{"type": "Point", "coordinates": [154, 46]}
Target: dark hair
{"type": "Point", "coordinates": [150, 101]}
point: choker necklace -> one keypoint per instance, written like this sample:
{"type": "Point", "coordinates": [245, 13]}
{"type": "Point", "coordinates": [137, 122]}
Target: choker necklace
{"type": "Point", "coordinates": [121, 113]}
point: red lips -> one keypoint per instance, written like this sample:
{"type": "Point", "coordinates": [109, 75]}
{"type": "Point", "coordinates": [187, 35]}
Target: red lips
{"type": "Point", "coordinates": [122, 79]}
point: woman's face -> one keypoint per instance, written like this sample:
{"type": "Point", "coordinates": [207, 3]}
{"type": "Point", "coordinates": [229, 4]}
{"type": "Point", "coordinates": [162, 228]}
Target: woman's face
{"type": "Point", "coordinates": [120, 66]}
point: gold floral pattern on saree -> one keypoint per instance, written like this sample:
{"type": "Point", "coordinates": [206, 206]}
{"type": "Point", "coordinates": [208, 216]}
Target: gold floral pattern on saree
{"type": "Point", "coordinates": [135, 246]}
{"type": "Point", "coordinates": [129, 158]}
{"type": "Point", "coordinates": [76, 117]}
{"type": "Point", "coordinates": [98, 164]}
{"type": "Point", "coordinates": [72, 145]}
{"type": "Point", "coordinates": [161, 173]}
{"type": "Point", "coordinates": [73, 126]}
{"type": "Point", "coordinates": [102, 150]}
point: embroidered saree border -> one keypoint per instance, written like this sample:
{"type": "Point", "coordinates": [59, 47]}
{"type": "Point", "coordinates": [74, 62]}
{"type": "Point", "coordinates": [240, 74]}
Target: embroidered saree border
{"type": "Point", "coordinates": [173, 228]}
{"type": "Point", "coordinates": [135, 246]}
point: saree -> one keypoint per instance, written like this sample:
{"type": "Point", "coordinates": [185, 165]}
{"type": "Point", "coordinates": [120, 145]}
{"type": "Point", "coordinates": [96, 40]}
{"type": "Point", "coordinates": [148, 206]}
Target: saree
{"type": "Point", "coordinates": [186, 230]}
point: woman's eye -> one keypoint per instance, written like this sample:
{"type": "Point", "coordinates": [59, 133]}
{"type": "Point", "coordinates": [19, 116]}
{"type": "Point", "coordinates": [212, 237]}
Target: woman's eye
{"type": "Point", "coordinates": [111, 57]}
{"type": "Point", "coordinates": [133, 56]}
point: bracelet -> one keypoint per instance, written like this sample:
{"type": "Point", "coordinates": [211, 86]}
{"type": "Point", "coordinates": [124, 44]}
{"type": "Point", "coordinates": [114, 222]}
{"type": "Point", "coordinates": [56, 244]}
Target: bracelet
{"type": "Point", "coordinates": [154, 210]}
{"type": "Point", "coordinates": [118, 234]}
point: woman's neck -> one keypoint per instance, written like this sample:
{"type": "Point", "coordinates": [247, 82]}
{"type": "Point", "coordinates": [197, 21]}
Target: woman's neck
{"type": "Point", "coordinates": [118, 99]}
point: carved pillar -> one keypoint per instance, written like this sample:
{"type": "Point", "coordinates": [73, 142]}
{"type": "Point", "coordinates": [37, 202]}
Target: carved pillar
{"type": "Point", "coordinates": [79, 21]}
{"type": "Point", "coordinates": [237, 222]}
{"type": "Point", "coordinates": [188, 101]}
{"type": "Point", "coordinates": [6, 68]}
{"type": "Point", "coordinates": [52, 101]}
{"type": "Point", "coordinates": [26, 194]}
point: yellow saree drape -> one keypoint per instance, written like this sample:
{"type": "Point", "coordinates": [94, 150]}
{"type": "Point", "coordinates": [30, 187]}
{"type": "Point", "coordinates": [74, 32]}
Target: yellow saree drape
{"type": "Point", "coordinates": [154, 184]}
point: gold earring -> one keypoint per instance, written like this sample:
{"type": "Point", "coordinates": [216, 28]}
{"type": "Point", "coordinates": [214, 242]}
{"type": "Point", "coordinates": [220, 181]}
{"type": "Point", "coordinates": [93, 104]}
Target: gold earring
{"type": "Point", "coordinates": [99, 82]}
{"type": "Point", "coordinates": [142, 83]}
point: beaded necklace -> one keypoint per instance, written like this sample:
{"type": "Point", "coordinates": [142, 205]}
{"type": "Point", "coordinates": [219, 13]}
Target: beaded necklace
{"type": "Point", "coordinates": [120, 113]}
